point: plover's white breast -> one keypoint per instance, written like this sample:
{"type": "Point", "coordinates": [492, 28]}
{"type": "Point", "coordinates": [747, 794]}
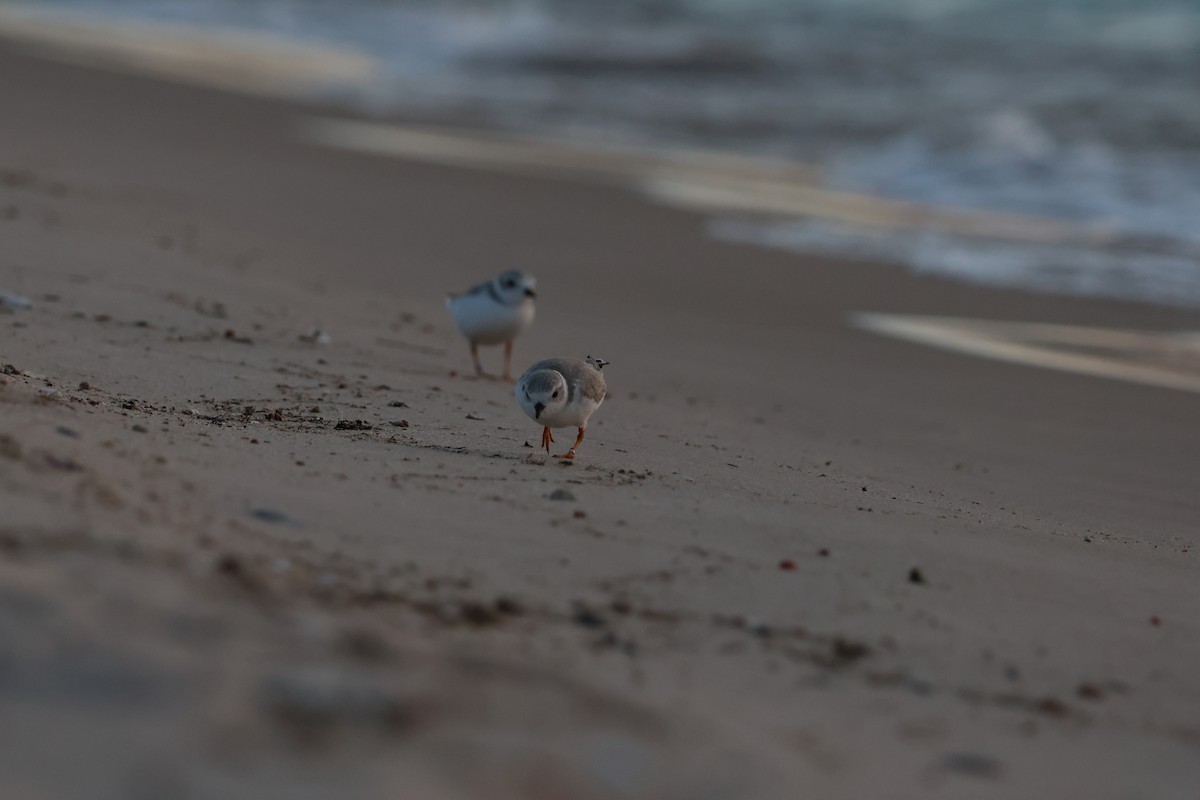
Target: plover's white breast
{"type": "Point", "coordinates": [574, 414]}
{"type": "Point", "coordinates": [484, 319]}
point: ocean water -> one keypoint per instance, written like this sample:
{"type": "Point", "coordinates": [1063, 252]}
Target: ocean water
{"type": "Point", "coordinates": [1086, 111]}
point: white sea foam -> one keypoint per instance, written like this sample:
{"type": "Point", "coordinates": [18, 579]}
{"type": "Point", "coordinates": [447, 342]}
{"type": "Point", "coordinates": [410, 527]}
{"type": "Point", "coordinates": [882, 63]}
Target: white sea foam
{"type": "Point", "coordinates": [1055, 268]}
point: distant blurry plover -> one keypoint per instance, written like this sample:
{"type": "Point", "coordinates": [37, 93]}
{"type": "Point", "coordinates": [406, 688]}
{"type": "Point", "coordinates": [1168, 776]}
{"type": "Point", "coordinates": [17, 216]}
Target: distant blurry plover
{"type": "Point", "coordinates": [494, 312]}
{"type": "Point", "coordinates": [562, 393]}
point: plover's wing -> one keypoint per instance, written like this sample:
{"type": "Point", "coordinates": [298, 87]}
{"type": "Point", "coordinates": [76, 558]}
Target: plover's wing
{"type": "Point", "coordinates": [580, 376]}
{"type": "Point", "coordinates": [592, 383]}
{"type": "Point", "coordinates": [485, 288]}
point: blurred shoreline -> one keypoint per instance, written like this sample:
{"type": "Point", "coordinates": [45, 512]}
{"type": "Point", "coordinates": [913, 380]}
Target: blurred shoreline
{"type": "Point", "coordinates": [994, 196]}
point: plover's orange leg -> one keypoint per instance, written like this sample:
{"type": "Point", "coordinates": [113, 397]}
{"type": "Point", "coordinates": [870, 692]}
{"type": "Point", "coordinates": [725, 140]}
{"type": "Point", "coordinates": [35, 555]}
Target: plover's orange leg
{"type": "Point", "coordinates": [475, 358]}
{"type": "Point", "coordinates": [571, 453]}
{"type": "Point", "coordinates": [507, 376]}
{"type": "Point", "coordinates": [547, 438]}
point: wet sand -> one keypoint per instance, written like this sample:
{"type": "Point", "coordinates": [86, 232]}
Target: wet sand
{"type": "Point", "coordinates": [797, 558]}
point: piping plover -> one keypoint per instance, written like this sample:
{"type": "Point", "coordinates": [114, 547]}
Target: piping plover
{"type": "Point", "coordinates": [494, 312]}
{"type": "Point", "coordinates": [562, 393]}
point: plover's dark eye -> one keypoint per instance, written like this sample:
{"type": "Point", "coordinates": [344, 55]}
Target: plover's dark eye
{"type": "Point", "coordinates": [510, 284]}
{"type": "Point", "coordinates": [554, 395]}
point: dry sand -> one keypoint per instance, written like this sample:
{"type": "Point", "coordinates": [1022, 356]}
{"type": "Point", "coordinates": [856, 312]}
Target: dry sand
{"type": "Point", "coordinates": [799, 559]}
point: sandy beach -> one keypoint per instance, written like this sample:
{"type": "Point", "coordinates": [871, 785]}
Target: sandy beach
{"type": "Point", "coordinates": [793, 559]}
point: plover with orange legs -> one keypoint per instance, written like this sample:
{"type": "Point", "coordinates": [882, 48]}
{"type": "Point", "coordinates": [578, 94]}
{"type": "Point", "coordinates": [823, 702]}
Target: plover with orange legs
{"type": "Point", "coordinates": [562, 393]}
{"type": "Point", "coordinates": [495, 312]}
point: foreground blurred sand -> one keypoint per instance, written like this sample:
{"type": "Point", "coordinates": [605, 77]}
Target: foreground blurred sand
{"type": "Point", "coordinates": [207, 590]}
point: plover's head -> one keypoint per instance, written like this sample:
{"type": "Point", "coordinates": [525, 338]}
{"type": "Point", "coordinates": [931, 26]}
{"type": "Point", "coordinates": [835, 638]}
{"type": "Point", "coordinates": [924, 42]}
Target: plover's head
{"type": "Point", "coordinates": [514, 286]}
{"type": "Point", "coordinates": [542, 393]}
{"type": "Point", "coordinates": [598, 363]}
